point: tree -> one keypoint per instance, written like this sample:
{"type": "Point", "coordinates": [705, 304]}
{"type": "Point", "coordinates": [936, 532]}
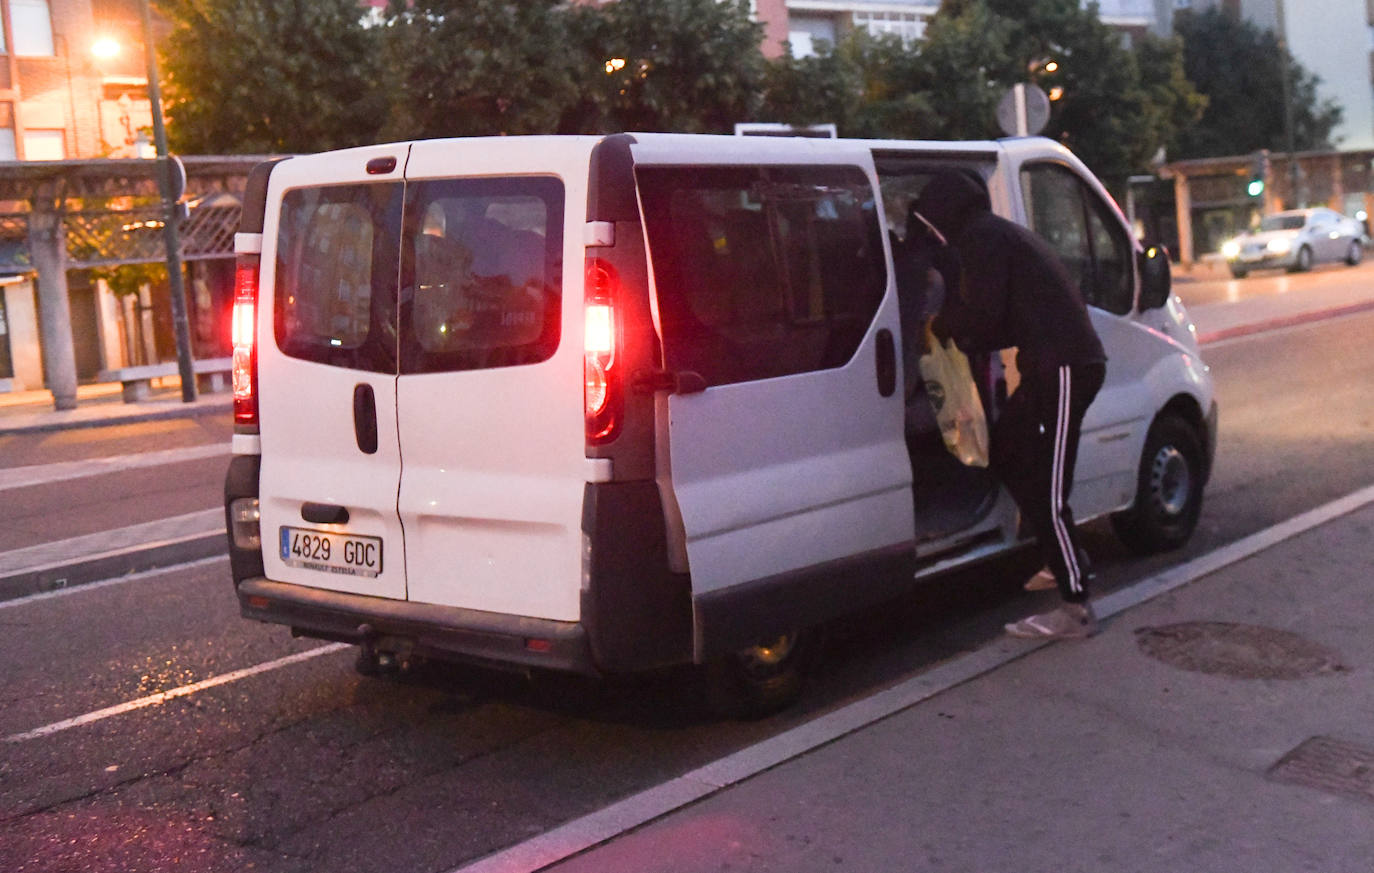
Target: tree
{"type": "Point", "coordinates": [262, 76]}
{"type": "Point", "coordinates": [692, 66]}
{"type": "Point", "coordinates": [1240, 68]}
{"type": "Point", "coordinates": [1112, 114]}
{"type": "Point", "coordinates": [1111, 111]}
{"type": "Point", "coordinates": [482, 67]}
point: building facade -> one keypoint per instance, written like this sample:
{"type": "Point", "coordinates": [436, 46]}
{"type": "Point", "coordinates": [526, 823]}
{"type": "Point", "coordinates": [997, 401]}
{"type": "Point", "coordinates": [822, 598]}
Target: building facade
{"type": "Point", "coordinates": [800, 24]}
{"type": "Point", "coordinates": [73, 88]}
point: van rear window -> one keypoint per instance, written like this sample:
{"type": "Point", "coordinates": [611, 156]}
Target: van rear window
{"type": "Point", "coordinates": [481, 273]}
{"type": "Point", "coordinates": [336, 268]}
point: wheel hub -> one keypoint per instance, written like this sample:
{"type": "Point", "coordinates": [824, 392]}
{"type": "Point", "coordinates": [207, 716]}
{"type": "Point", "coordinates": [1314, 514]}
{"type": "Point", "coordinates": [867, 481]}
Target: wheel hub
{"type": "Point", "coordinates": [769, 654]}
{"type": "Point", "coordinates": [1170, 480]}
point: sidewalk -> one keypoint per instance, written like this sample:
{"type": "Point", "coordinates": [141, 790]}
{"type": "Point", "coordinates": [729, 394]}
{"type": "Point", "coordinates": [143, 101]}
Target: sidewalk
{"type": "Point", "coordinates": [102, 405]}
{"type": "Point", "coordinates": [1226, 726]}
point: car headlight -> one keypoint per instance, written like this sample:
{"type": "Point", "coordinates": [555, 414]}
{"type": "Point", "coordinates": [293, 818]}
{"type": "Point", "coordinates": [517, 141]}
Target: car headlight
{"type": "Point", "coordinates": [1231, 248]}
{"type": "Point", "coordinates": [1280, 245]}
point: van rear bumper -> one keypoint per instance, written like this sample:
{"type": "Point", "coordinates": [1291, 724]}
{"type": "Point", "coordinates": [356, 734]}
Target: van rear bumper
{"type": "Point", "coordinates": [443, 632]}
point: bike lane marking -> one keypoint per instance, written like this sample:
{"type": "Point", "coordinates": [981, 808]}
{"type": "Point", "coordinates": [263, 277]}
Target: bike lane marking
{"type": "Point", "coordinates": [174, 693]}
{"type": "Point", "coordinates": [45, 474]}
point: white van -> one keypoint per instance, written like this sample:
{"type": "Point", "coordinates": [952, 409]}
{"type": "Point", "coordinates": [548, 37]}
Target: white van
{"type": "Point", "coordinates": [604, 404]}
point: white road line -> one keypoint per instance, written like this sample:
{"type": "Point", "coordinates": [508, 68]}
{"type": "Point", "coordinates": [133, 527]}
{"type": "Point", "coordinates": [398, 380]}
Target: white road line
{"type": "Point", "coordinates": [605, 824]}
{"type": "Point", "coordinates": [106, 583]}
{"type": "Point", "coordinates": [43, 474]}
{"type": "Point", "coordinates": [164, 696]}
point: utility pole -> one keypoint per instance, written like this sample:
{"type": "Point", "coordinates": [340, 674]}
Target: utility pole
{"type": "Point", "coordinates": [181, 325]}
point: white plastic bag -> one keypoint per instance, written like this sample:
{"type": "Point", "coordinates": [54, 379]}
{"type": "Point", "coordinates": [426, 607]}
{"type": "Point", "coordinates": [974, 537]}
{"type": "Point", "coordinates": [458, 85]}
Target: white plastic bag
{"type": "Point", "coordinates": [958, 408]}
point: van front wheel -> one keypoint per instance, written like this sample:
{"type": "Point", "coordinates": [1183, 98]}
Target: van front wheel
{"type": "Point", "coordinates": [1168, 497]}
{"type": "Point", "coordinates": [762, 679]}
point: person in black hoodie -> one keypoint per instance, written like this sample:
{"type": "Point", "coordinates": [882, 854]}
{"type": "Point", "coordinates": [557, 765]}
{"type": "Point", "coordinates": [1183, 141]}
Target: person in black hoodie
{"type": "Point", "coordinates": [1009, 289]}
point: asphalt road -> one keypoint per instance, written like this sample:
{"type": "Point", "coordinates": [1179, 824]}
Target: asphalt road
{"type": "Point", "coordinates": [306, 766]}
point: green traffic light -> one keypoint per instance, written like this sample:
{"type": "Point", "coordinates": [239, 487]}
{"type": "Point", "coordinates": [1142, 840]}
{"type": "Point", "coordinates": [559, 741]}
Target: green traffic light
{"type": "Point", "coordinates": [1256, 187]}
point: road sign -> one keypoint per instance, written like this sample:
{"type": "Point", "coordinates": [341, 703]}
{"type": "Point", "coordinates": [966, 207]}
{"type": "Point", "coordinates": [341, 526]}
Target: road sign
{"type": "Point", "coordinates": [1023, 111]}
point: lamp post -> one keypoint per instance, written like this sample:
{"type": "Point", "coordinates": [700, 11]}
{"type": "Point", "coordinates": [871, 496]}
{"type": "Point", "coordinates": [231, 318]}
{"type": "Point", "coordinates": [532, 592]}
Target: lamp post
{"type": "Point", "coordinates": [180, 324]}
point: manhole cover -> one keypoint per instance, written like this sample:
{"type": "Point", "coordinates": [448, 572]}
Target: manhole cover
{"type": "Point", "coordinates": [1329, 764]}
{"type": "Point", "coordinates": [1240, 651]}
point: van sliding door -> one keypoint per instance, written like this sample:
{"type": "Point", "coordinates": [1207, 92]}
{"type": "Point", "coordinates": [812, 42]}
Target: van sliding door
{"type": "Point", "coordinates": [772, 287]}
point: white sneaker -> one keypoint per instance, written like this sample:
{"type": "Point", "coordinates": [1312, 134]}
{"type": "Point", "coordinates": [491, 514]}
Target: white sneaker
{"type": "Point", "coordinates": [1071, 621]}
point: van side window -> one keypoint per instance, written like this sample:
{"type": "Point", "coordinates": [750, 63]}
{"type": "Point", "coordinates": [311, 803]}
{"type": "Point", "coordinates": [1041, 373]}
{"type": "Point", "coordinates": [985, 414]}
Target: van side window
{"type": "Point", "coordinates": [336, 275]}
{"type": "Point", "coordinates": [762, 271]}
{"type": "Point", "coordinates": [481, 273]}
{"type": "Point", "coordinates": [1084, 232]}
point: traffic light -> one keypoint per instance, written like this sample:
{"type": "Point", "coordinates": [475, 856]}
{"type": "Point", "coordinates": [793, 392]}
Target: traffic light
{"type": "Point", "coordinates": [1259, 169]}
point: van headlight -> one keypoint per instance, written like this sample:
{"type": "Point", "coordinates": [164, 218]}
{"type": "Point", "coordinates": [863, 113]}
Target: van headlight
{"type": "Point", "coordinates": [1231, 248]}
{"type": "Point", "coordinates": [1279, 245]}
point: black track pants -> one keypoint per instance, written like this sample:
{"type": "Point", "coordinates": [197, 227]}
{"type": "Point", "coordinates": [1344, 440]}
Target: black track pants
{"type": "Point", "coordinates": [1034, 448]}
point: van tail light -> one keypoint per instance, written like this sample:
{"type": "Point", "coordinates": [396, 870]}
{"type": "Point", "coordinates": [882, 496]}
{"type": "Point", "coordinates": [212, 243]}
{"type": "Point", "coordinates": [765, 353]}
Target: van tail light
{"type": "Point", "coordinates": [243, 330]}
{"type": "Point", "coordinates": [604, 394]}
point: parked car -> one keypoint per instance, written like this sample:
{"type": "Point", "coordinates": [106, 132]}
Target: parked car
{"type": "Point", "coordinates": [1295, 240]}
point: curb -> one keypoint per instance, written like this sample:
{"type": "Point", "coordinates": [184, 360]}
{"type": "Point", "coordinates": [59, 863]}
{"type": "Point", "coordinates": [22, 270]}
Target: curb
{"type": "Point", "coordinates": [111, 564]}
{"type": "Point", "coordinates": [1282, 322]}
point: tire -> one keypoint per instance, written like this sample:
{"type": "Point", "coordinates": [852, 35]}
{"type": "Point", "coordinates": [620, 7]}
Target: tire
{"type": "Point", "coordinates": [1239, 272]}
{"type": "Point", "coordinates": [1304, 261]}
{"type": "Point", "coordinates": [1168, 497]}
{"type": "Point", "coordinates": [1354, 253]}
{"type": "Point", "coordinates": [763, 679]}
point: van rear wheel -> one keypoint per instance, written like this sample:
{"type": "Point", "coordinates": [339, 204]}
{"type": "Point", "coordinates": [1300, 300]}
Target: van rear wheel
{"type": "Point", "coordinates": [1168, 499]}
{"type": "Point", "coordinates": [762, 679]}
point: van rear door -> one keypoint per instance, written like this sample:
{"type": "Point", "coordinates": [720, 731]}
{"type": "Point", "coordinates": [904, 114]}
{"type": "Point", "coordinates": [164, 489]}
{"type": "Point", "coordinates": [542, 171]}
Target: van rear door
{"type": "Point", "coordinates": [490, 391]}
{"type": "Point", "coordinates": [326, 364]}
{"type": "Point", "coordinates": [778, 319]}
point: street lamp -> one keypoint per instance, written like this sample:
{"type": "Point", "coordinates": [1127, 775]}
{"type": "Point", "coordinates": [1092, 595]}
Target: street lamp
{"type": "Point", "coordinates": [181, 325]}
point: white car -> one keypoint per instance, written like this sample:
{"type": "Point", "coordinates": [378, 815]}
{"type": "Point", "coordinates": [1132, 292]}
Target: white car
{"type": "Point", "coordinates": [1295, 240]}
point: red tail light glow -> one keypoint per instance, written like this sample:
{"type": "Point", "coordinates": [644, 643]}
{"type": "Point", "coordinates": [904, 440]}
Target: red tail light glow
{"type": "Point", "coordinates": [600, 339]}
{"type": "Point", "coordinates": [243, 333]}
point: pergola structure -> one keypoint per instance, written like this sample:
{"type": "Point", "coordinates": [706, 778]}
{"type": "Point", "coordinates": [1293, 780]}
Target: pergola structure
{"type": "Point", "coordinates": [57, 216]}
{"type": "Point", "coordinates": [1217, 187]}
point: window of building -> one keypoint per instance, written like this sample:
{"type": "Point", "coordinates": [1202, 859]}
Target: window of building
{"type": "Point", "coordinates": [7, 145]}
{"type": "Point", "coordinates": [762, 271]}
{"type": "Point", "coordinates": [44, 145]}
{"type": "Point", "coordinates": [804, 31]}
{"type": "Point", "coordinates": [31, 24]}
{"type": "Point", "coordinates": [907, 25]}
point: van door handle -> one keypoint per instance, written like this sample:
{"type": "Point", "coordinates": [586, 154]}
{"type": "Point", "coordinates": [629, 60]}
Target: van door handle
{"type": "Point", "coordinates": [886, 355]}
{"type": "Point", "coordinates": [324, 513]}
{"type": "Point", "coordinates": [365, 418]}
{"type": "Point", "coordinates": [681, 382]}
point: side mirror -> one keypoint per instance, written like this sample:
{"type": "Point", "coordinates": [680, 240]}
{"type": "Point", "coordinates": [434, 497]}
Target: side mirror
{"type": "Point", "coordinates": [1155, 279]}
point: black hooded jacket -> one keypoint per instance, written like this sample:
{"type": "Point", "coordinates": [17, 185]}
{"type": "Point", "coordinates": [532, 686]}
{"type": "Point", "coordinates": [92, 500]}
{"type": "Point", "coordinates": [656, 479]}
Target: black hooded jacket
{"type": "Point", "coordinates": [1012, 289]}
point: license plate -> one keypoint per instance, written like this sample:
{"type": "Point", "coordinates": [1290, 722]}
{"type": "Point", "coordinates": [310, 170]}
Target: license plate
{"type": "Point", "coordinates": [345, 554]}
